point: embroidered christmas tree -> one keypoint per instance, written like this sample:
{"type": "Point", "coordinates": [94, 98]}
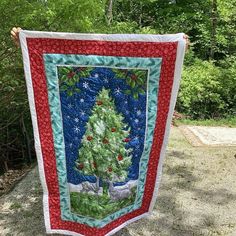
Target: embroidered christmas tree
{"type": "Point", "coordinates": [103, 151]}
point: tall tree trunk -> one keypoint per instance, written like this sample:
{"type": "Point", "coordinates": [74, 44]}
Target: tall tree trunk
{"type": "Point", "coordinates": [213, 29]}
{"type": "Point", "coordinates": [109, 12]}
{"type": "Point", "coordinates": [27, 140]}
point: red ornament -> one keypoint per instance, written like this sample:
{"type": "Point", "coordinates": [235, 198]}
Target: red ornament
{"type": "Point", "coordinates": [126, 140]}
{"type": "Point", "coordinates": [109, 169]}
{"type": "Point", "coordinates": [99, 103]}
{"type": "Point", "coordinates": [113, 129]}
{"type": "Point", "coordinates": [71, 74]}
{"type": "Point", "coordinates": [95, 165]}
{"type": "Point", "coordinates": [81, 166]}
{"type": "Point", "coordinates": [120, 157]}
{"type": "Point", "coordinates": [105, 141]}
{"type": "Point", "coordinates": [133, 77]}
{"type": "Point", "coordinates": [89, 138]}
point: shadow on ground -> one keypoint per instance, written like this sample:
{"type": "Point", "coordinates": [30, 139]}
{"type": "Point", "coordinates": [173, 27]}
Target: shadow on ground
{"type": "Point", "coordinates": [192, 199]}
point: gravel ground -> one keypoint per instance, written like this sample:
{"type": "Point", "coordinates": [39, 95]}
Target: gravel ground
{"type": "Point", "coordinates": [197, 196]}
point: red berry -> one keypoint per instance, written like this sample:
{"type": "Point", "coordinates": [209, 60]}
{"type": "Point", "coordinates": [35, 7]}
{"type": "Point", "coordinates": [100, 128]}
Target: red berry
{"type": "Point", "coordinates": [109, 169]}
{"type": "Point", "coordinates": [71, 74]}
{"type": "Point", "coordinates": [95, 165]}
{"type": "Point", "coordinates": [113, 129]}
{"type": "Point", "coordinates": [120, 157]}
{"type": "Point", "coordinates": [89, 138]}
{"type": "Point", "coordinates": [99, 103]}
{"type": "Point", "coordinates": [81, 166]}
{"type": "Point", "coordinates": [105, 141]}
{"type": "Point", "coordinates": [126, 140]}
{"type": "Point", "coordinates": [133, 77]}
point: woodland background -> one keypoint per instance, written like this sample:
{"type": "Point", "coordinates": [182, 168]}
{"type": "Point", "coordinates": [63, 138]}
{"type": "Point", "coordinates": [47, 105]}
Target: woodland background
{"type": "Point", "coordinates": [208, 87]}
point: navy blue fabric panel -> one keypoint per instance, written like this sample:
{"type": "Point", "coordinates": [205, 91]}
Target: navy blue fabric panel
{"type": "Point", "coordinates": [76, 110]}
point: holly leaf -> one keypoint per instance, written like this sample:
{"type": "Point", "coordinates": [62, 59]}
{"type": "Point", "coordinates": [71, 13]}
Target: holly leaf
{"type": "Point", "coordinates": [127, 91]}
{"type": "Point", "coordinates": [69, 93]}
{"type": "Point", "coordinates": [132, 84]}
{"type": "Point", "coordinates": [140, 90]}
{"type": "Point", "coordinates": [77, 90]}
{"type": "Point", "coordinates": [135, 95]}
{"type": "Point", "coordinates": [63, 87]}
{"type": "Point", "coordinates": [70, 82]}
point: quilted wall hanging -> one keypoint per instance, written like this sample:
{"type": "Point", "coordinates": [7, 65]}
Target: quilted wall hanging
{"type": "Point", "coordinates": [101, 108]}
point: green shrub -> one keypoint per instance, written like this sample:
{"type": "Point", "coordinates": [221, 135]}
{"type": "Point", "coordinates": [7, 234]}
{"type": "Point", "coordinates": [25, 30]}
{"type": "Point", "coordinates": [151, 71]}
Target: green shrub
{"type": "Point", "coordinates": [228, 83]}
{"type": "Point", "coordinates": [207, 90]}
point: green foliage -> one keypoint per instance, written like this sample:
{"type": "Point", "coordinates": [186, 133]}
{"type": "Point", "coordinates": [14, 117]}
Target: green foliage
{"type": "Point", "coordinates": [15, 206]}
{"type": "Point", "coordinates": [68, 77]}
{"type": "Point", "coordinates": [228, 83]}
{"type": "Point", "coordinates": [136, 79]}
{"type": "Point", "coordinates": [51, 15]}
{"type": "Point", "coordinates": [207, 91]}
{"type": "Point", "coordinates": [228, 122]}
{"type": "Point", "coordinates": [96, 206]}
{"type": "Point", "coordinates": [103, 151]}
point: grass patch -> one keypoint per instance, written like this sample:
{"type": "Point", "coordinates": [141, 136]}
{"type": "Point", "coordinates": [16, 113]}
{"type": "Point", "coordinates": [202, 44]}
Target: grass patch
{"type": "Point", "coordinates": [226, 122]}
{"type": "Point", "coordinates": [28, 214]}
{"type": "Point", "coordinates": [15, 205]}
{"type": "Point", "coordinates": [98, 207]}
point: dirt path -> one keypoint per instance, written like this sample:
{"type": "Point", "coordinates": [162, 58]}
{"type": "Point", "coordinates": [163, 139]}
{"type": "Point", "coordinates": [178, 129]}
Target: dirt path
{"type": "Point", "coordinates": [197, 196]}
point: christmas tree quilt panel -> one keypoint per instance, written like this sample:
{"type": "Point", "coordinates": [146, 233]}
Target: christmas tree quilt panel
{"type": "Point", "coordinates": [101, 108]}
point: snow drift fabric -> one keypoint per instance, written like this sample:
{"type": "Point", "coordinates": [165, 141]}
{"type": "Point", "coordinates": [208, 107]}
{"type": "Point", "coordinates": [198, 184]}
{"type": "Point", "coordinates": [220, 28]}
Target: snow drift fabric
{"type": "Point", "coordinates": [101, 108]}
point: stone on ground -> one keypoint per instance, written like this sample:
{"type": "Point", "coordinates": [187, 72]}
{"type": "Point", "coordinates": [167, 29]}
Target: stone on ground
{"type": "Point", "coordinates": [211, 136]}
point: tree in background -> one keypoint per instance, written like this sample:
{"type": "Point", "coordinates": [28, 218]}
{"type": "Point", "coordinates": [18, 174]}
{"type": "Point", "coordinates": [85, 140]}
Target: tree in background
{"type": "Point", "coordinates": [103, 152]}
{"type": "Point", "coordinates": [61, 15]}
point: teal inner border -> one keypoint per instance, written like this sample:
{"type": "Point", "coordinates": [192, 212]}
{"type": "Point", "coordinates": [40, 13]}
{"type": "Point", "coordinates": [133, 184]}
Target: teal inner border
{"type": "Point", "coordinates": [51, 61]}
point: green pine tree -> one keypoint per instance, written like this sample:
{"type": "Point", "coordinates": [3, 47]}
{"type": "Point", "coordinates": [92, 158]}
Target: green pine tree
{"type": "Point", "coordinates": [102, 152]}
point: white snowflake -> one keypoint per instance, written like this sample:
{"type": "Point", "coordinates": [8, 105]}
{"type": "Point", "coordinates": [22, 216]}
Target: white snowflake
{"type": "Point", "coordinates": [76, 119]}
{"type": "Point", "coordinates": [126, 102]}
{"type": "Point", "coordinates": [136, 120]}
{"type": "Point", "coordinates": [139, 112]}
{"type": "Point", "coordinates": [81, 100]}
{"type": "Point", "coordinates": [96, 75]}
{"type": "Point", "coordinates": [68, 117]}
{"type": "Point", "coordinates": [117, 91]}
{"type": "Point", "coordinates": [85, 85]}
{"type": "Point", "coordinates": [76, 129]}
{"type": "Point", "coordinates": [127, 112]}
{"type": "Point", "coordinates": [70, 105]}
{"type": "Point", "coordinates": [106, 80]}
{"type": "Point", "coordinates": [136, 137]}
{"type": "Point", "coordinates": [82, 113]}
{"type": "Point", "coordinates": [71, 145]}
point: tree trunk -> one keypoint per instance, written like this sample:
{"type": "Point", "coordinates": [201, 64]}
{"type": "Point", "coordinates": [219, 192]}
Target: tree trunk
{"type": "Point", "coordinates": [97, 184]}
{"type": "Point", "coordinates": [27, 141]}
{"type": "Point", "coordinates": [109, 12]}
{"type": "Point", "coordinates": [213, 28]}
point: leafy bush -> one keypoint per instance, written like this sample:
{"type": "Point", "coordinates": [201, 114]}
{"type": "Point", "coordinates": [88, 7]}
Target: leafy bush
{"type": "Point", "coordinates": [228, 83]}
{"type": "Point", "coordinates": [16, 140]}
{"type": "Point", "coordinates": [207, 90]}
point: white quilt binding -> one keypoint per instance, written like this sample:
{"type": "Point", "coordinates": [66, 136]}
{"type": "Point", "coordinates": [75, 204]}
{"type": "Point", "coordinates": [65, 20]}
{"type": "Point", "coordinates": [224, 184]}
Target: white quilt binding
{"type": "Point", "coordinates": [24, 34]}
